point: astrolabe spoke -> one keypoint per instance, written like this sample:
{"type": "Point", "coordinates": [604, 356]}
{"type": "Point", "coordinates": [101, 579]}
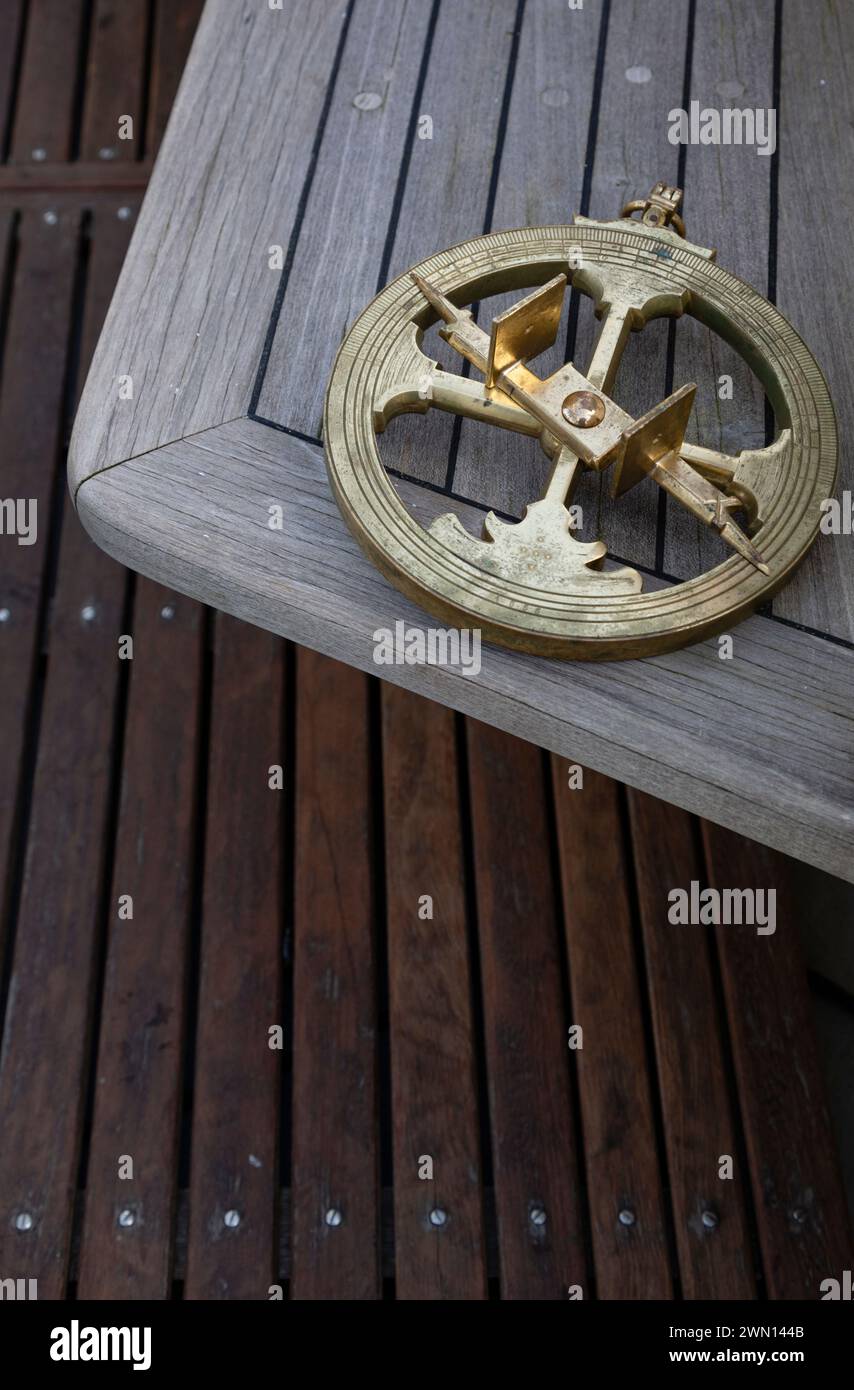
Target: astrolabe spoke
{"type": "Point", "coordinates": [429, 385]}
{"type": "Point", "coordinates": [617, 324]}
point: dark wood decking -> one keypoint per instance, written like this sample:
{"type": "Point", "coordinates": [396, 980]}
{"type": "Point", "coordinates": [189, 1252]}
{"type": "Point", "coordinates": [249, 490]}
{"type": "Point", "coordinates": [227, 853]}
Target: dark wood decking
{"type": "Point", "coordinates": [255, 907]}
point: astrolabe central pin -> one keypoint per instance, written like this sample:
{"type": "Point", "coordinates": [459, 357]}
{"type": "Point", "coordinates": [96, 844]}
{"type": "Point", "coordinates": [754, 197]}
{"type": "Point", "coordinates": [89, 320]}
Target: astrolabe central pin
{"type": "Point", "coordinates": [531, 585]}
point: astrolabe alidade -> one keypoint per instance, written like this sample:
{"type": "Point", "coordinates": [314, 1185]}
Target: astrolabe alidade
{"type": "Point", "coordinates": [531, 585]}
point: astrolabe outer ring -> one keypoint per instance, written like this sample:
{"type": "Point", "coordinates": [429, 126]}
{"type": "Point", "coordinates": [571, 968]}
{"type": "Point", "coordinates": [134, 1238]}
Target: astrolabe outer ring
{"type": "Point", "coordinates": [607, 627]}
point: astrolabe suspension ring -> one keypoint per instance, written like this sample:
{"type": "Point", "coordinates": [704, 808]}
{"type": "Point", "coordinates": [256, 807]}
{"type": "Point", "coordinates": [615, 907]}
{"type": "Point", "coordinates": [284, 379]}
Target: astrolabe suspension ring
{"type": "Point", "coordinates": [531, 585]}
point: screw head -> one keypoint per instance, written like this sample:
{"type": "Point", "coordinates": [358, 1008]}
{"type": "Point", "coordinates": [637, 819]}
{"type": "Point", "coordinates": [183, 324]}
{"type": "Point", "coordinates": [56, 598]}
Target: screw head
{"type": "Point", "coordinates": [39, 154]}
{"type": "Point", "coordinates": [106, 152]}
{"type": "Point", "coordinates": [23, 1221]}
{"type": "Point", "coordinates": [124, 214]}
{"type": "Point", "coordinates": [367, 101]}
{"type": "Point", "coordinates": [167, 612]}
{"type": "Point", "coordinates": [334, 1217]}
{"type": "Point", "coordinates": [800, 1215]}
{"type": "Point", "coordinates": [710, 1220]}
{"type": "Point", "coordinates": [231, 1219]}
{"type": "Point", "coordinates": [127, 1217]}
{"type": "Point", "coordinates": [438, 1217]}
{"type": "Point", "coordinates": [88, 613]}
{"type": "Point", "coordinates": [5, 615]}
{"type": "Point", "coordinates": [583, 409]}
{"type": "Point", "coordinates": [50, 217]}
{"type": "Point", "coordinates": [627, 1217]}
{"type": "Point", "coordinates": [538, 1216]}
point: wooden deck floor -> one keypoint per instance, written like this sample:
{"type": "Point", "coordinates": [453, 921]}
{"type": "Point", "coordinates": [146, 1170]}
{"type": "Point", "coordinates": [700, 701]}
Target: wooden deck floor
{"type": "Point", "coordinates": [286, 999]}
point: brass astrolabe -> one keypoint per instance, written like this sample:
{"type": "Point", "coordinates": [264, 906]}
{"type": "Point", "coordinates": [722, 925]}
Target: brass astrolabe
{"type": "Point", "coordinates": [530, 584]}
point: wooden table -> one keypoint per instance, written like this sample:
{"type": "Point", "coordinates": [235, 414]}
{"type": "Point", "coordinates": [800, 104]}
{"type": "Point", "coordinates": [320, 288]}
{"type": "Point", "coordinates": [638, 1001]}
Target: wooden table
{"type": "Point", "coordinates": [300, 129]}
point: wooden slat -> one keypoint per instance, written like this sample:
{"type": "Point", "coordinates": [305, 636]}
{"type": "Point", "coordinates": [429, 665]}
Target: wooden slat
{"type": "Point", "coordinates": [446, 194]}
{"type": "Point", "coordinates": [138, 1070]}
{"type": "Point", "coordinates": [727, 205]}
{"type": "Point", "coordinates": [12, 21]}
{"type": "Point", "coordinates": [697, 1113]}
{"type": "Point", "coordinates": [174, 27]}
{"type": "Point", "coordinates": [47, 85]}
{"type": "Point", "coordinates": [360, 156]}
{"type": "Point", "coordinates": [31, 407]}
{"type": "Point", "coordinates": [623, 1165]}
{"type": "Point", "coordinates": [834, 1027]}
{"type": "Point", "coordinates": [540, 179]}
{"type": "Point", "coordinates": [434, 1097]}
{"type": "Point", "coordinates": [335, 1141]}
{"type": "Point", "coordinates": [535, 1149]}
{"type": "Point", "coordinates": [114, 80]}
{"type": "Point", "coordinates": [137, 1092]}
{"type": "Point", "coordinates": [804, 1232]}
{"type": "Point", "coordinates": [236, 1077]}
{"type": "Point", "coordinates": [815, 289]}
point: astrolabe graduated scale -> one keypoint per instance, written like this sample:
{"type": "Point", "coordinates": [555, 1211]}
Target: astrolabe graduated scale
{"type": "Point", "coordinates": [530, 584]}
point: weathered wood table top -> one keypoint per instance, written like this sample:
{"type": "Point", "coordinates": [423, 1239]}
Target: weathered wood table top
{"type": "Point", "coordinates": [303, 128]}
